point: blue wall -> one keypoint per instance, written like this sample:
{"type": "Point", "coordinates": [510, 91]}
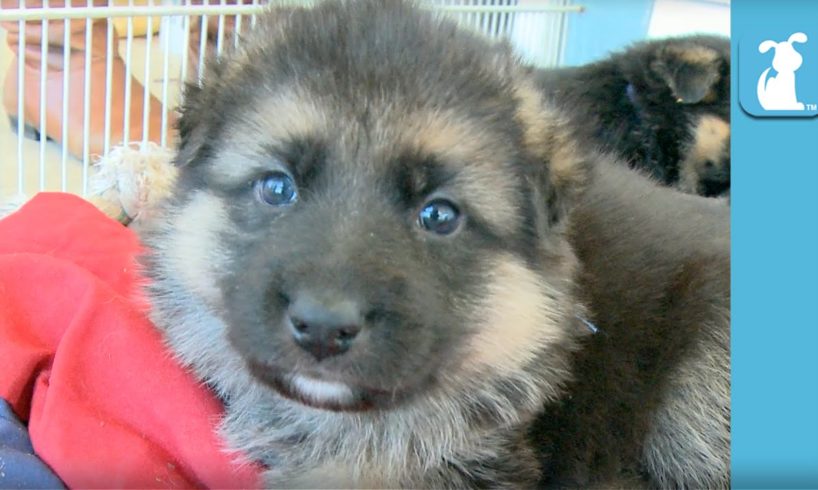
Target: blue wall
{"type": "Point", "coordinates": [605, 26]}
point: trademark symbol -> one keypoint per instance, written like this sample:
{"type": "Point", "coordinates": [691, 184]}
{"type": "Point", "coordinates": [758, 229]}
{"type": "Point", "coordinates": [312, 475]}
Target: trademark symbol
{"type": "Point", "coordinates": [811, 107]}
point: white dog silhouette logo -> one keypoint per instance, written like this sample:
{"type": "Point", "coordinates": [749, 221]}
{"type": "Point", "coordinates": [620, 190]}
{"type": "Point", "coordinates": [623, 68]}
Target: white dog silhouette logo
{"type": "Point", "coordinates": [778, 93]}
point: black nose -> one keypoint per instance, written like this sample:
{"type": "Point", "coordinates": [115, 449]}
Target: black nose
{"type": "Point", "coordinates": [324, 328]}
{"type": "Point", "coordinates": [715, 180]}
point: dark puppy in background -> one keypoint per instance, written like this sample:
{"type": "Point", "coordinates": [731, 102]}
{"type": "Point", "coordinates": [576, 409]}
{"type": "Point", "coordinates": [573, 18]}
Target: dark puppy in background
{"type": "Point", "coordinates": [383, 250]}
{"type": "Point", "coordinates": [663, 106]}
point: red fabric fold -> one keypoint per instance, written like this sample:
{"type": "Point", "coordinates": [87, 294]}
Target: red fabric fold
{"type": "Point", "coordinates": [106, 404]}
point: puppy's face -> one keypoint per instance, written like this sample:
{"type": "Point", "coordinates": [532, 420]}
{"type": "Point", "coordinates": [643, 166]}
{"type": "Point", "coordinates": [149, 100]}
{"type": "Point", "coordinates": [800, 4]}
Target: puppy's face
{"type": "Point", "coordinates": [363, 209]}
{"type": "Point", "coordinates": [705, 168]}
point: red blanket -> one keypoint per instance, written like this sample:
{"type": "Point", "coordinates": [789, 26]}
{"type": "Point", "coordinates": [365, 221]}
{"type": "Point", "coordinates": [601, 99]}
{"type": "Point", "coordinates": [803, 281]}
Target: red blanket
{"type": "Point", "coordinates": [106, 405]}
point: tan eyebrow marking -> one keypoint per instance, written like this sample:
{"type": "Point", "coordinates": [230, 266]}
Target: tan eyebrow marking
{"type": "Point", "coordinates": [473, 155]}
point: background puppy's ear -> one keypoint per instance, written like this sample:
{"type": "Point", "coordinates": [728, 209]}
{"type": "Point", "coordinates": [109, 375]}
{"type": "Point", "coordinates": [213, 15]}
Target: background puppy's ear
{"type": "Point", "coordinates": [690, 70]}
{"type": "Point", "coordinates": [561, 168]}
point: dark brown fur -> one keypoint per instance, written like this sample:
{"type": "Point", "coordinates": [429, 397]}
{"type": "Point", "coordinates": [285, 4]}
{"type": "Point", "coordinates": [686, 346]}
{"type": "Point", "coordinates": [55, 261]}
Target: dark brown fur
{"type": "Point", "coordinates": [374, 108]}
{"type": "Point", "coordinates": [656, 278]}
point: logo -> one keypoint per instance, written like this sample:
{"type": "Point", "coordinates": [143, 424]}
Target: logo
{"type": "Point", "coordinates": [777, 93]}
{"type": "Point", "coordinates": [784, 73]}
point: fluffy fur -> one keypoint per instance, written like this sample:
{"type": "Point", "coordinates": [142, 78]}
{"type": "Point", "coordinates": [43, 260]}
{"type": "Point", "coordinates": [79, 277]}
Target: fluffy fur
{"type": "Point", "coordinates": [653, 104]}
{"type": "Point", "coordinates": [652, 390]}
{"type": "Point", "coordinates": [467, 340]}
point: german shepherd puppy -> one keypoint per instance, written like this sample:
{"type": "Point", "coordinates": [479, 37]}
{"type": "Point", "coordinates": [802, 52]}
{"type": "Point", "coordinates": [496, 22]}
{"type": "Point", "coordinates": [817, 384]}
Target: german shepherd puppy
{"type": "Point", "coordinates": [387, 254]}
{"type": "Point", "coordinates": [663, 106]}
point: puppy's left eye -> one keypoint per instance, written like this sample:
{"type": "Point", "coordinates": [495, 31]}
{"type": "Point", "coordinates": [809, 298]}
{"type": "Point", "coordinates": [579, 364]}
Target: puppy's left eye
{"type": "Point", "coordinates": [277, 189]}
{"type": "Point", "coordinates": [439, 216]}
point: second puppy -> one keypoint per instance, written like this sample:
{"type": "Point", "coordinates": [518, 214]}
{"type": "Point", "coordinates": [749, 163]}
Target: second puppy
{"type": "Point", "coordinates": [663, 106]}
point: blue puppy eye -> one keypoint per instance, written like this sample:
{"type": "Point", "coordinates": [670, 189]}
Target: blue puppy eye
{"type": "Point", "coordinates": [439, 216]}
{"type": "Point", "coordinates": [277, 189]}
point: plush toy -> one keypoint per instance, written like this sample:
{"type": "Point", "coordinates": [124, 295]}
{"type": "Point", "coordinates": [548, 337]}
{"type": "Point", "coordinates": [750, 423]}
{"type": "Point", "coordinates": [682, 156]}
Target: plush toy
{"type": "Point", "coordinates": [128, 182]}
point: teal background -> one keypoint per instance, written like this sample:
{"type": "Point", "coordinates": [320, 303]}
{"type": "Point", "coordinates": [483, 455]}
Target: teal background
{"type": "Point", "coordinates": [775, 267]}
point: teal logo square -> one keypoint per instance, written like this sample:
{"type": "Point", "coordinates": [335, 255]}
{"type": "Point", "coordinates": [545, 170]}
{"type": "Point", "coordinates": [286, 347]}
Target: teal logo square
{"type": "Point", "coordinates": [778, 72]}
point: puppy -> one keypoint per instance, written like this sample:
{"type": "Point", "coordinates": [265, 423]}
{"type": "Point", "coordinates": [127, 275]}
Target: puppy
{"type": "Point", "coordinates": [368, 255]}
{"type": "Point", "coordinates": [663, 106]}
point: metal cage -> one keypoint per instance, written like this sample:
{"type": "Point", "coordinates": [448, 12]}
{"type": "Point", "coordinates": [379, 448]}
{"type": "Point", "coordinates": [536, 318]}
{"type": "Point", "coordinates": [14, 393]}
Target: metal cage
{"type": "Point", "coordinates": [162, 43]}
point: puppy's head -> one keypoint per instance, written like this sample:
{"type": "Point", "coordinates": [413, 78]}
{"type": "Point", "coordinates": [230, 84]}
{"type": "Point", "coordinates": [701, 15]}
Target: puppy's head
{"type": "Point", "coordinates": [369, 204]}
{"type": "Point", "coordinates": [695, 69]}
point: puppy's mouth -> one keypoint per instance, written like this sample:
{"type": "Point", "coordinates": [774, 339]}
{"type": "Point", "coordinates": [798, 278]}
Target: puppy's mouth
{"type": "Point", "coordinates": [325, 394]}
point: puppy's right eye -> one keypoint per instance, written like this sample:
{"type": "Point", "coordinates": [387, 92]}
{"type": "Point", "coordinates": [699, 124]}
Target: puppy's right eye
{"type": "Point", "coordinates": [439, 216]}
{"type": "Point", "coordinates": [277, 189]}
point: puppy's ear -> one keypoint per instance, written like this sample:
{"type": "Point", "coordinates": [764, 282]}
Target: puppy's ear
{"type": "Point", "coordinates": [561, 167]}
{"type": "Point", "coordinates": [190, 94]}
{"type": "Point", "coordinates": [191, 126]}
{"type": "Point", "coordinates": [200, 102]}
{"type": "Point", "coordinates": [690, 70]}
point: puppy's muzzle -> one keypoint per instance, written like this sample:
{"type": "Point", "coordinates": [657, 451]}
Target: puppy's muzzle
{"type": "Point", "coordinates": [715, 178]}
{"type": "Point", "coordinates": [322, 327]}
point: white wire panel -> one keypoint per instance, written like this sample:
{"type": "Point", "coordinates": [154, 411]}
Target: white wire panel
{"type": "Point", "coordinates": [122, 64]}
